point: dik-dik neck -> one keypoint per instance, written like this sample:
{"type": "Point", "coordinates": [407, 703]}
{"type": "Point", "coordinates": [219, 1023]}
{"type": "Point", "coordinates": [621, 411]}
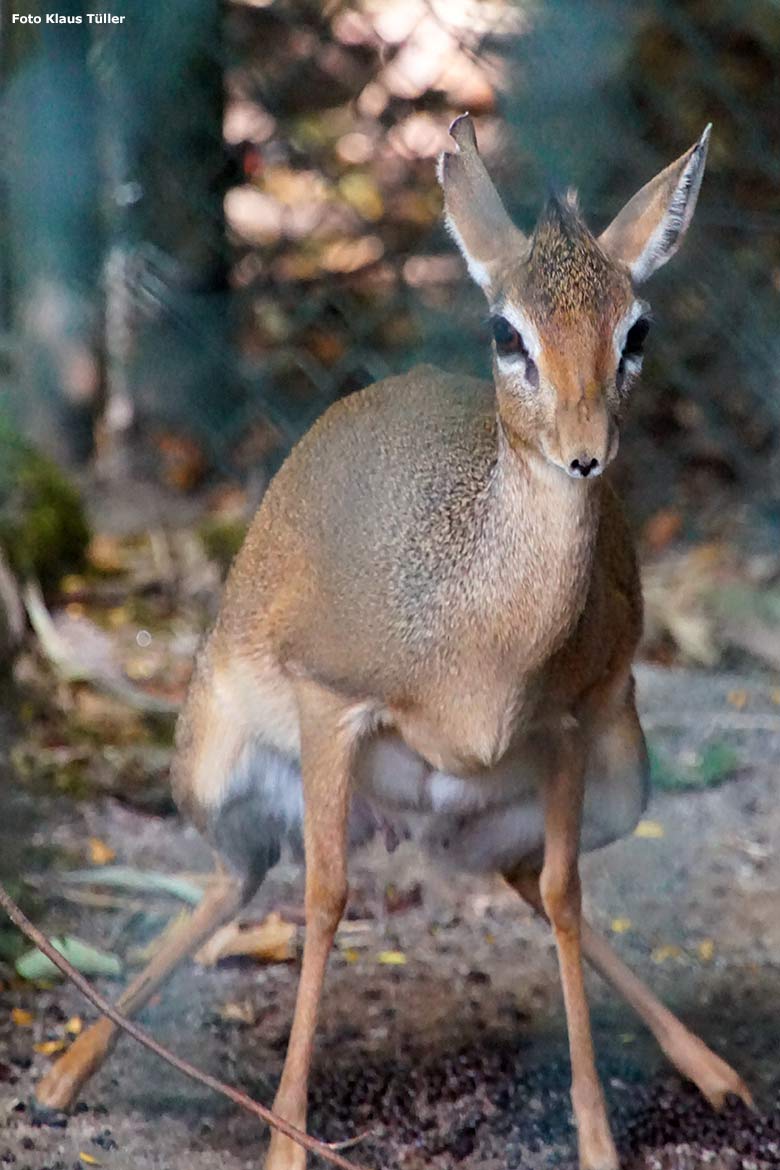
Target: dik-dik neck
{"type": "Point", "coordinates": [542, 537]}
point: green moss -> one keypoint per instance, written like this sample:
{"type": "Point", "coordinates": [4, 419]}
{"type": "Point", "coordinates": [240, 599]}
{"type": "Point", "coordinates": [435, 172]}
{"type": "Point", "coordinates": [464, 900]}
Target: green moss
{"type": "Point", "coordinates": [221, 540]}
{"type": "Point", "coordinates": [43, 526]}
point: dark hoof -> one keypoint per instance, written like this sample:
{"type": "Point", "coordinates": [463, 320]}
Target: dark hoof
{"type": "Point", "coordinates": [45, 1115]}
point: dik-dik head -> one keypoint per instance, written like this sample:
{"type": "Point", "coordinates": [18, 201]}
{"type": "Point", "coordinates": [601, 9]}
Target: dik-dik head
{"type": "Point", "coordinates": [568, 323]}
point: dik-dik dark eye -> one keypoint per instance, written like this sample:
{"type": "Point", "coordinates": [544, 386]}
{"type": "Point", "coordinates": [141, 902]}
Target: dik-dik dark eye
{"type": "Point", "coordinates": [506, 337]}
{"type": "Point", "coordinates": [633, 346]}
{"type": "Point", "coordinates": [509, 343]}
{"type": "Point", "coordinates": [635, 338]}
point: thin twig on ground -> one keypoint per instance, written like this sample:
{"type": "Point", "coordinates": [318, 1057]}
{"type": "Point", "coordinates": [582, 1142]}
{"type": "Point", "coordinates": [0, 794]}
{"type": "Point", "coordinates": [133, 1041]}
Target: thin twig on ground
{"type": "Point", "coordinates": [322, 1149]}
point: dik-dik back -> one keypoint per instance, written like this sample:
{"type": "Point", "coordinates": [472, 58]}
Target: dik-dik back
{"type": "Point", "coordinates": [429, 630]}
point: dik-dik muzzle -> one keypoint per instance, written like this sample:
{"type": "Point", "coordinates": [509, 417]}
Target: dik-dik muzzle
{"type": "Point", "coordinates": [584, 439]}
{"type": "Point", "coordinates": [568, 325]}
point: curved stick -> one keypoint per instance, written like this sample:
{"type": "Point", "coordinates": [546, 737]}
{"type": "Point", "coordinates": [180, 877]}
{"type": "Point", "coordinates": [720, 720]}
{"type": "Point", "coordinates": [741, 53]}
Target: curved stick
{"type": "Point", "coordinates": [19, 918]}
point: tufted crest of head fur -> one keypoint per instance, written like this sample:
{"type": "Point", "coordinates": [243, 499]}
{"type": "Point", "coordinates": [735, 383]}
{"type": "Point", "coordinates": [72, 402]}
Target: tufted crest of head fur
{"type": "Point", "coordinates": [566, 271]}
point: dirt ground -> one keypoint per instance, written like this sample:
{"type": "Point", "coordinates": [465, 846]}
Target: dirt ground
{"type": "Point", "coordinates": [455, 1057]}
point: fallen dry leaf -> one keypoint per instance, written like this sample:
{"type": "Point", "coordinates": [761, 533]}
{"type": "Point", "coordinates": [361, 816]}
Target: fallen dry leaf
{"type": "Point", "coordinates": [49, 1047]}
{"type": "Point", "coordinates": [667, 951]}
{"type": "Point", "coordinates": [88, 1159]}
{"type": "Point", "coordinates": [649, 830]}
{"type": "Point", "coordinates": [392, 958]}
{"type": "Point", "coordinates": [99, 852]}
{"type": "Point", "coordinates": [85, 958]}
{"type": "Point", "coordinates": [271, 941]}
{"type": "Point", "coordinates": [22, 1018]}
{"type": "Point", "coordinates": [706, 950]}
{"type": "Point", "coordinates": [74, 1026]}
{"type": "Point", "coordinates": [238, 1013]}
{"type": "Point", "coordinates": [620, 925]}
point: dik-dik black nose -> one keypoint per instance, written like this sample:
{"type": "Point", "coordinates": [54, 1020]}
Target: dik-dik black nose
{"type": "Point", "coordinates": [584, 466]}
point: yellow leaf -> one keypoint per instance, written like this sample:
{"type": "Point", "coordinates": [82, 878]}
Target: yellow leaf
{"type": "Point", "coordinates": [627, 1037]}
{"type": "Point", "coordinates": [650, 830]}
{"type": "Point", "coordinates": [738, 699]}
{"type": "Point", "coordinates": [776, 696]}
{"type": "Point", "coordinates": [270, 941]}
{"type": "Point", "coordinates": [240, 1013]}
{"type": "Point", "coordinates": [392, 958]}
{"type": "Point", "coordinates": [621, 925]}
{"type": "Point", "coordinates": [99, 852]}
{"type": "Point", "coordinates": [351, 955]}
{"type": "Point", "coordinates": [706, 949]}
{"type": "Point", "coordinates": [74, 1026]}
{"type": "Point", "coordinates": [88, 1159]}
{"type": "Point", "coordinates": [662, 953]}
{"type": "Point", "coordinates": [22, 1018]}
{"type": "Point", "coordinates": [49, 1047]}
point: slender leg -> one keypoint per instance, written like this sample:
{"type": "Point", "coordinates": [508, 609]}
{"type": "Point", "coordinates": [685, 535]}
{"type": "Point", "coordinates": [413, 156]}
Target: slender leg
{"type": "Point", "coordinates": [326, 756]}
{"type": "Point", "coordinates": [64, 1081]}
{"type": "Point", "coordinates": [690, 1055]}
{"type": "Point", "coordinates": [686, 1051]}
{"type": "Point", "coordinates": [559, 886]}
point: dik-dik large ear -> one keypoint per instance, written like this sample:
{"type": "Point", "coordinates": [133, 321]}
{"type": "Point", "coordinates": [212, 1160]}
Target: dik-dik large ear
{"type": "Point", "coordinates": [650, 228]}
{"type": "Point", "coordinates": [473, 211]}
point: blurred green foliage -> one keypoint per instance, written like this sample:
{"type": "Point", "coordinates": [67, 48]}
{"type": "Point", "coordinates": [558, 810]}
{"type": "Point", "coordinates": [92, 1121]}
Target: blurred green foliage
{"type": "Point", "coordinates": [265, 214]}
{"type": "Point", "coordinates": [714, 764]}
{"type": "Point", "coordinates": [43, 527]}
{"type": "Point", "coordinates": [221, 540]}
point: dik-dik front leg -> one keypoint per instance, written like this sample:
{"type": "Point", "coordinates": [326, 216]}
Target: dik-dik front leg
{"type": "Point", "coordinates": [60, 1087]}
{"type": "Point", "coordinates": [327, 748]}
{"type": "Point", "coordinates": [559, 886]}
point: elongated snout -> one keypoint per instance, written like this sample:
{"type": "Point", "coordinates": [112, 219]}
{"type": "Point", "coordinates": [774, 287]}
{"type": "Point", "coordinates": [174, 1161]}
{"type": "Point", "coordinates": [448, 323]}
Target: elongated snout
{"type": "Point", "coordinates": [585, 438]}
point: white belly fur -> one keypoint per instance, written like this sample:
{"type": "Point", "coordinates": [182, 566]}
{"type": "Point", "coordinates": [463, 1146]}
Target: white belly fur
{"type": "Point", "coordinates": [480, 823]}
{"type": "Point", "coordinates": [485, 823]}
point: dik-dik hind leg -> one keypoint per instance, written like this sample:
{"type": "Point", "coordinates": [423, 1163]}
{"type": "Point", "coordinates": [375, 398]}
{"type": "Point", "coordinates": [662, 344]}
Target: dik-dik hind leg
{"type": "Point", "coordinates": [690, 1055]}
{"type": "Point", "coordinates": [615, 798]}
{"type": "Point", "coordinates": [713, 1077]}
{"type": "Point", "coordinates": [327, 747]}
{"type": "Point", "coordinates": [65, 1080]}
{"type": "Point", "coordinates": [559, 886]}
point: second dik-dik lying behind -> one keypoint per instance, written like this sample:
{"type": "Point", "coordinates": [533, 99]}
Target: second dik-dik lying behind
{"type": "Point", "coordinates": [431, 627]}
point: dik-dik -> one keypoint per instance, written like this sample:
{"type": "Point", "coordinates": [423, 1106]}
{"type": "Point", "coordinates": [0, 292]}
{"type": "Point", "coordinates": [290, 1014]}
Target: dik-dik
{"type": "Point", "coordinates": [432, 623]}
